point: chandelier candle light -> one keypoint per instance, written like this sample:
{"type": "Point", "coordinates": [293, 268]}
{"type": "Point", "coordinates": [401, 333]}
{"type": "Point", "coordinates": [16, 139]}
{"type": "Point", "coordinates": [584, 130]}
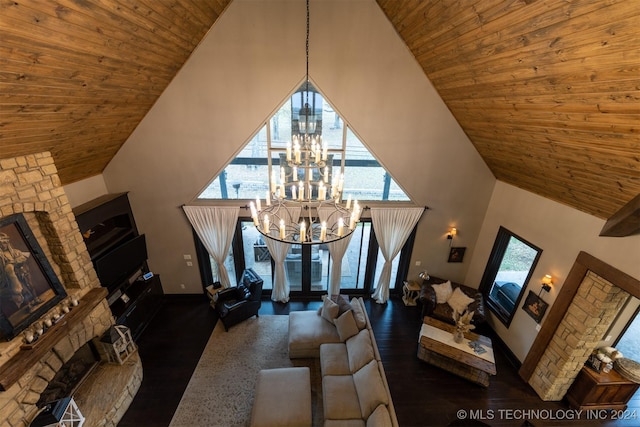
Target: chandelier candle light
{"type": "Point", "coordinates": [325, 219]}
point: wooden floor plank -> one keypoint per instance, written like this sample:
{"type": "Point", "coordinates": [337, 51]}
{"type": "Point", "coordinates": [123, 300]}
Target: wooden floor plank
{"type": "Point", "coordinates": [423, 395]}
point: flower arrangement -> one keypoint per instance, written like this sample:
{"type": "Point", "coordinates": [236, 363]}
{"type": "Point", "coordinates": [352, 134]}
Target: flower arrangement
{"type": "Point", "coordinates": [463, 324]}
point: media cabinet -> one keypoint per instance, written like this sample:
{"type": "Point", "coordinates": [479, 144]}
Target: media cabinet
{"type": "Point", "coordinates": [119, 256]}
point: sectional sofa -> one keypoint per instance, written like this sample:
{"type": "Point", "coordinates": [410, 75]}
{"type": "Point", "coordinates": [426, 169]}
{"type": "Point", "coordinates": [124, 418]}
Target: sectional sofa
{"type": "Point", "coordinates": [355, 391]}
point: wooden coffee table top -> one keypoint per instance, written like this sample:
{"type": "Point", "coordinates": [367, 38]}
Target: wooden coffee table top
{"type": "Point", "coordinates": [437, 336]}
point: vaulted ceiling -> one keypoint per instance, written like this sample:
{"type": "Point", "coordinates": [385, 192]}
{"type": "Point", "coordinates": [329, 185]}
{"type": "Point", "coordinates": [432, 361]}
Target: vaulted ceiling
{"type": "Point", "coordinates": [547, 91]}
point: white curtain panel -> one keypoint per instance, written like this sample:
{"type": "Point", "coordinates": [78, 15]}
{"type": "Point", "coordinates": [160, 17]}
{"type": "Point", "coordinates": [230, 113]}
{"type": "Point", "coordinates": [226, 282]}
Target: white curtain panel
{"type": "Point", "coordinates": [392, 227]}
{"type": "Point", "coordinates": [215, 226]}
{"type": "Point", "coordinates": [337, 250]}
{"type": "Point", "coordinates": [278, 251]}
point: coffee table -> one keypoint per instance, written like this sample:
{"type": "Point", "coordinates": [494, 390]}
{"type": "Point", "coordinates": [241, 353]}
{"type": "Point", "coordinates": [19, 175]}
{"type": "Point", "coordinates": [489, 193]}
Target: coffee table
{"type": "Point", "coordinates": [437, 347]}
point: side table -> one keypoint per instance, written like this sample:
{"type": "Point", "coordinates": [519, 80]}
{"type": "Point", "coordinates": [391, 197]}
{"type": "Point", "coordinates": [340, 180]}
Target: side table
{"type": "Point", "coordinates": [410, 293]}
{"type": "Point", "coordinates": [212, 294]}
{"type": "Point", "coordinates": [600, 390]}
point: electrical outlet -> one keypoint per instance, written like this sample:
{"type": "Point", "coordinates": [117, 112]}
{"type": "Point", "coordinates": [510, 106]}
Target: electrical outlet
{"type": "Point", "coordinates": [538, 327]}
{"type": "Point", "coordinates": [181, 285]}
{"type": "Point", "coordinates": [189, 264]}
{"type": "Point", "coordinates": [608, 338]}
{"type": "Point", "coordinates": [418, 263]}
{"type": "Point", "coordinates": [186, 256]}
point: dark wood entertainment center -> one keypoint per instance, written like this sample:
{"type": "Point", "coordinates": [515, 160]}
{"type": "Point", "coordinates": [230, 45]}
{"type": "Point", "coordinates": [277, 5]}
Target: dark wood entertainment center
{"type": "Point", "coordinates": [118, 253]}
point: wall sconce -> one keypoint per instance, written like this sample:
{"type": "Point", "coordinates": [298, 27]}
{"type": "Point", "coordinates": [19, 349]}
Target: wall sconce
{"type": "Point", "coordinates": [547, 281]}
{"type": "Point", "coordinates": [452, 232]}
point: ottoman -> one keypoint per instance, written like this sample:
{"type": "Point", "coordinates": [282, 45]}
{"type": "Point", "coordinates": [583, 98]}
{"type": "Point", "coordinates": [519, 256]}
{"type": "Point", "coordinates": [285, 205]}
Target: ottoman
{"type": "Point", "coordinates": [283, 398]}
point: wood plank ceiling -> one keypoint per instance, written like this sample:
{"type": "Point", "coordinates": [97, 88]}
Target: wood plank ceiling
{"type": "Point", "coordinates": [76, 77]}
{"type": "Point", "coordinates": [547, 91]}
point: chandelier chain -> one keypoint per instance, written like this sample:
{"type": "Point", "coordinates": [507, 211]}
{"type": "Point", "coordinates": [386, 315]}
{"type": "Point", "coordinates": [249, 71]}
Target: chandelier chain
{"type": "Point", "coordinates": [312, 211]}
{"type": "Point", "coordinates": [306, 95]}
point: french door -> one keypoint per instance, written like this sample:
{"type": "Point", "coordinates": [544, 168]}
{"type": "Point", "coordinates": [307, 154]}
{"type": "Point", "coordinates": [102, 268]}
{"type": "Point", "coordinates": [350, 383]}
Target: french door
{"type": "Point", "coordinates": [308, 267]}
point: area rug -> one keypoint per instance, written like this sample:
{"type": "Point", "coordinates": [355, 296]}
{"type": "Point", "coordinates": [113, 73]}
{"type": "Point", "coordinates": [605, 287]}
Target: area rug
{"type": "Point", "coordinates": [221, 389]}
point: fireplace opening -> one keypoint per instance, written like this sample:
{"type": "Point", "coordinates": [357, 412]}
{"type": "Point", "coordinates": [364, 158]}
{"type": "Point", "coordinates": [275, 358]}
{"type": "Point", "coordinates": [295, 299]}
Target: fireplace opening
{"type": "Point", "coordinates": [71, 374]}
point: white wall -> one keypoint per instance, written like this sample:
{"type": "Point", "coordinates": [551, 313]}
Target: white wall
{"type": "Point", "coordinates": [250, 62]}
{"type": "Point", "coordinates": [561, 232]}
{"type": "Point", "coordinates": [80, 192]}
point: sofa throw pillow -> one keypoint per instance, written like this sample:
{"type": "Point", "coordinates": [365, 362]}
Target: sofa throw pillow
{"type": "Point", "coordinates": [343, 303]}
{"type": "Point", "coordinates": [329, 310]}
{"type": "Point", "coordinates": [324, 297]}
{"type": "Point", "coordinates": [380, 417]}
{"type": "Point", "coordinates": [459, 301]}
{"type": "Point", "coordinates": [370, 388]}
{"type": "Point", "coordinates": [443, 292]}
{"type": "Point", "coordinates": [358, 313]}
{"type": "Point", "coordinates": [346, 325]}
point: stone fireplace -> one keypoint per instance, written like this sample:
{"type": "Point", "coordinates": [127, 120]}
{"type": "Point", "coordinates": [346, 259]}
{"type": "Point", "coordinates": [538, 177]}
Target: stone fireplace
{"type": "Point", "coordinates": [590, 314]}
{"type": "Point", "coordinates": [587, 304]}
{"type": "Point", "coordinates": [30, 185]}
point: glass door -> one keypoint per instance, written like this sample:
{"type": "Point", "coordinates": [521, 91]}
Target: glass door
{"type": "Point", "coordinates": [308, 267]}
{"type": "Point", "coordinates": [629, 342]}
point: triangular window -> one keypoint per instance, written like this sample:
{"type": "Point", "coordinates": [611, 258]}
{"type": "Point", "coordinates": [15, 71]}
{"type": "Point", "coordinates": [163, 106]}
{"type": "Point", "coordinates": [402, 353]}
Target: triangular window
{"type": "Point", "coordinates": [248, 175]}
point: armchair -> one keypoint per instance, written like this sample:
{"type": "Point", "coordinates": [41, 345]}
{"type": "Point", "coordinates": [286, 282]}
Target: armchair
{"type": "Point", "coordinates": [240, 302]}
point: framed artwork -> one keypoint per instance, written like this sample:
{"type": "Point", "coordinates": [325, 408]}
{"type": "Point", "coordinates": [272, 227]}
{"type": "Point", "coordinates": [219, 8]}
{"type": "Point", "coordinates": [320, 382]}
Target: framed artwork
{"type": "Point", "coordinates": [456, 254]}
{"type": "Point", "coordinates": [28, 285]}
{"type": "Point", "coordinates": [535, 306]}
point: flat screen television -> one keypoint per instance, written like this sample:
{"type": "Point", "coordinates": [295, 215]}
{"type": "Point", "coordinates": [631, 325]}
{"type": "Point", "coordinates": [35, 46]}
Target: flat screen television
{"type": "Point", "coordinates": [119, 264]}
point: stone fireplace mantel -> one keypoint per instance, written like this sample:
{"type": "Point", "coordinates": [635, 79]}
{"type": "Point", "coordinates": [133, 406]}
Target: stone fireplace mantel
{"type": "Point", "coordinates": [26, 358]}
{"type": "Point", "coordinates": [30, 185]}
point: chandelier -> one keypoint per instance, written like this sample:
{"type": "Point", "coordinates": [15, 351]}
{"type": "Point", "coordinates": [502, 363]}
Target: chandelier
{"type": "Point", "coordinates": [304, 202]}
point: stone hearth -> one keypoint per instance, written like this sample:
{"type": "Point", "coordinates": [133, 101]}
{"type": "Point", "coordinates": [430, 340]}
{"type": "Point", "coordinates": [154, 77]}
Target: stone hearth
{"type": "Point", "coordinates": [30, 185]}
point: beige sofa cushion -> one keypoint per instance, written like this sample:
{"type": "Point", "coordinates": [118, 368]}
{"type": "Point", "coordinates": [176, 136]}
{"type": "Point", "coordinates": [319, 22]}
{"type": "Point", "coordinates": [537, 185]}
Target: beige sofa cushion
{"type": "Point", "coordinates": [358, 313]}
{"type": "Point", "coordinates": [339, 398]}
{"type": "Point", "coordinates": [359, 350]}
{"type": "Point", "coordinates": [380, 418]}
{"type": "Point", "coordinates": [370, 388]}
{"type": "Point", "coordinates": [329, 310]}
{"type": "Point", "coordinates": [334, 359]}
{"type": "Point", "coordinates": [276, 389]}
{"type": "Point", "coordinates": [307, 330]}
{"type": "Point", "coordinates": [346, 325]}
{"type": "Point", "coordinates": [343, 303]}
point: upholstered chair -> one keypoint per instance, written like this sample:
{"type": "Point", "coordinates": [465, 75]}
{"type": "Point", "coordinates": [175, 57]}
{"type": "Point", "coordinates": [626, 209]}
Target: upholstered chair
{"type": "Point", "coordinates": [240, 302]}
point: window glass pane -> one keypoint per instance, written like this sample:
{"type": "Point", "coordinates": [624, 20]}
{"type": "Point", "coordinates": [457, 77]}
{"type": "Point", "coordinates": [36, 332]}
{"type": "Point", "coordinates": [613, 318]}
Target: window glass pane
{"type": "Point", "coordinates": [293, 267]}
{"type": "Point", "coordinates": [247, 176]}
{"type": "Point", "coordinates": [629, 343]}
{"type": "Point", "coordinates": [326, 262]}
{"type": "Point", "coordinates": [505, 281]}
{"type": "Point", "coordinates": [256, 254]}
{"type": "Point", "coordinates": [355, 258]}
{"type": "Point", "coordinates": [365, 178]}
{"type": "Point", "coordinates": [281, 127]}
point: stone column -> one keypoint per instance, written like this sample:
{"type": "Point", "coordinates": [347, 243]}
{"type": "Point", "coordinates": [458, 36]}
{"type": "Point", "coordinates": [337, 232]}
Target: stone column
{"type": "Point", "coordinates": [589, 316]}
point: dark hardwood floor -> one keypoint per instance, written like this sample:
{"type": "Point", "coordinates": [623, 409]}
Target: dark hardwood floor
{"type": "Point", "coordinates": [423, 395]}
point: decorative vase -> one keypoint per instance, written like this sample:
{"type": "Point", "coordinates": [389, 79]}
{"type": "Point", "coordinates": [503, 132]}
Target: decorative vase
{"type": "Point", "coordinates": [458, 336]}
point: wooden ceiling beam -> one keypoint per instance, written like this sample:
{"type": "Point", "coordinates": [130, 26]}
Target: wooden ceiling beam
{"type": "Point", "coordinates": [625, 222]}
